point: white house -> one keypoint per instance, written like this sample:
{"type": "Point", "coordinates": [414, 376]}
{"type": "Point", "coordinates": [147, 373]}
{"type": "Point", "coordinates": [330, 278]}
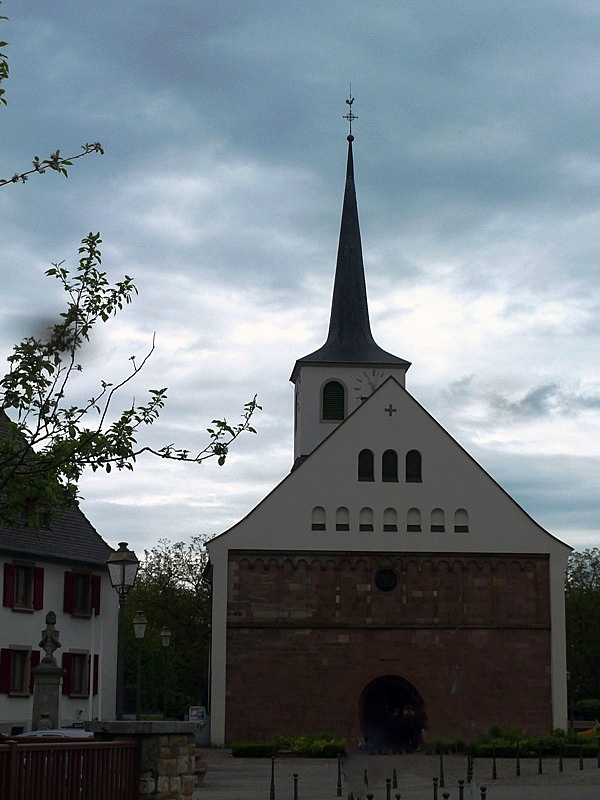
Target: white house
{"type": "Point", "coordinates": [61, 567]}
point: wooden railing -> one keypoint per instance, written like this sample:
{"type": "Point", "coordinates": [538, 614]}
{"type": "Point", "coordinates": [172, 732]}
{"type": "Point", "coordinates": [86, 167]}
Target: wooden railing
{"type": "Point", "coordinates": [60, 770]}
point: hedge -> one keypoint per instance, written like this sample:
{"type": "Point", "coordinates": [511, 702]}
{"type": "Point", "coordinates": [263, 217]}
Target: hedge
{"type": "Point", "coordinates": [316, 746]}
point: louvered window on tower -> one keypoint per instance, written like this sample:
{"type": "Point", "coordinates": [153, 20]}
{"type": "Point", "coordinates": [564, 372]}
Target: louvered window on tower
{"type": "Point", "coordinates": [334, 401]}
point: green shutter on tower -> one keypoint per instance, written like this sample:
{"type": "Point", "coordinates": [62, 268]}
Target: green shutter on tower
{"type": "Point", "coordinates": [333, 401]}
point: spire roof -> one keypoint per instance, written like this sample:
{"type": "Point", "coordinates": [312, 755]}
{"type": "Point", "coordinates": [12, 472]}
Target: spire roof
{"type": "Point", "coordinates": [349, 339]}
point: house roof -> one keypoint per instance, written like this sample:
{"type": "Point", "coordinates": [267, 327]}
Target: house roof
{"type": "Point", "coordinates": [68, 536]}
{"type": "Point", "coordinates": [349, 339]}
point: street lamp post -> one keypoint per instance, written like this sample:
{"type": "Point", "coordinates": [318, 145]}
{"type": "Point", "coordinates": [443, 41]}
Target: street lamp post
{"type": "Point", "coordinates": [139, 629]}
{"type": "Point", "coordinates": [122, 569]}
{"type": "Point", "coordinates": [165, 640]}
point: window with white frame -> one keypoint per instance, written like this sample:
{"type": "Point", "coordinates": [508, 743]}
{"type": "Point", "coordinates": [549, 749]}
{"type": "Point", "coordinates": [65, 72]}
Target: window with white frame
{"type": "Point", "coordinates": [81, 594]}
{"type": "Point", "coordinates": [23, 586]}
{"type": "Point", "coordinates": [16, 664]}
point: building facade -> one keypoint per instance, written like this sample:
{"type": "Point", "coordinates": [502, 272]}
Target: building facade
{"type": "Point", "coordinates": [59, 566]}
{"type": "Point", "coordinates": [388, 571]}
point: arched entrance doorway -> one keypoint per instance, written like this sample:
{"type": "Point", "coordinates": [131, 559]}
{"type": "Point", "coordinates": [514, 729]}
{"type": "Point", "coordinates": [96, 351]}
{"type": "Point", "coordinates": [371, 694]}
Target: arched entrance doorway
{"type": "Point", "coordinates": [392, 715]}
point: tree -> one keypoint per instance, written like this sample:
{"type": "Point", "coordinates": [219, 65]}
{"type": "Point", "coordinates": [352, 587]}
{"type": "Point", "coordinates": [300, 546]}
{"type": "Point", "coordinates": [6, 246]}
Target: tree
{"type": "Point", "coordinates": [172, 591]}
{"type": "Point", "coordinates": [55, 161]}
{"type": "Point", "coordinates": [4, 69]}
{"type": "Point", "coordinates": [47, 440]}
{"type": "Point", "coordinates": [582, 605]}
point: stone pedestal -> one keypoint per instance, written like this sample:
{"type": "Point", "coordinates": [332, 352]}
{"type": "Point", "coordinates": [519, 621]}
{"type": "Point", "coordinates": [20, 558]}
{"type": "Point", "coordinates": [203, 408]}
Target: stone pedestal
{"type": "Point", "coordinates": [167, 754]}
{"type": "Point", "coordinates": [46, 696]}
{"type": "Point", "coordinates": [46, 679]}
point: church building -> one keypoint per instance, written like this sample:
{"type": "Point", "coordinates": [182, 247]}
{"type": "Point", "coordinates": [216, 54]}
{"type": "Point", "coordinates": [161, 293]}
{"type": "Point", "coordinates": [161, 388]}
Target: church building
{"type": "Point", "coordinates": [387, 571]}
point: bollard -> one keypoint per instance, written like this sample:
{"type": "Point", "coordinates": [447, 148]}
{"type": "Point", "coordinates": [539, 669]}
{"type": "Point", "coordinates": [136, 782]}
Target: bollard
{"type": "Point", "coordinates": [518, 767]}
{"type": "Point", "coordinates": [388, 789]}
{"type": "Point", "coordinates": [366, 778]}
{"type": "Point", "coordinates": [441, 767]}
{"type": "Point", "coordinates": [339, 779]}
{"type": "Point", "coordinates": [461, 790]}
{"type": "Point", "coordinates": [272, 790]}
{"type": "Point", "coordinates": [435, 789]}
{"type": "Point", "coordinates": [295, 786]}
{"type": "Point", "coordinates": [560, 759]}
{"type": "Point", "coordinates": [483, 793]}
{"type": "Point", "coordinates": [540, 768]}
{"type": "Point", "coordinates": [394, 779]}
{"type": "Point", "coordinates": [580, 758]}
{"type": "Point", "coordinates": [494, 770]}
{"type": "Point", "coordinates": [469, 766]}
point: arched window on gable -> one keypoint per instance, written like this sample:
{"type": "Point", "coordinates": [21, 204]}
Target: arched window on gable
{"type": "Point", "coordinates": [366, 466]}
{"type": "Point", "coordinates": [461, 521]}
{"type": "Point", "coordinates": [333, 401]}
{"type": "Point", "coordinates": [365, 520]}
{"type": "Point", "coordinates": [389, 466]}
{"type": "Point", "coordinates": [413, 520]}
{"type": "Point", "coordinates": [413, 467]}
{"type": "Point", "coordinates": [437, 521]}
{"type": "Point", "coordinates": [318, 519]}
{"type": "Point", "coordinates": [342, 519]}
{"type": "Point", "coordinates": [390, 521]}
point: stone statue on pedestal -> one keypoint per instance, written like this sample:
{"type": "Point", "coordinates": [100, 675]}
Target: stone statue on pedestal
{"type": "Point", "coordinates": [46, 679]}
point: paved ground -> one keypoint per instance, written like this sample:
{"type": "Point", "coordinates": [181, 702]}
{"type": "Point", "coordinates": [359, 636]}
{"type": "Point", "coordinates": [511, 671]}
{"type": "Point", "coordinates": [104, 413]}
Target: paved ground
{"type": "Point", "coordinates": [250, 778]}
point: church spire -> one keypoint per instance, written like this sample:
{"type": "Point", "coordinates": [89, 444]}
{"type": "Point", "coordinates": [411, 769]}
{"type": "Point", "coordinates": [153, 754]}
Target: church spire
{"type": "Point", "coordinates": [349, 339]}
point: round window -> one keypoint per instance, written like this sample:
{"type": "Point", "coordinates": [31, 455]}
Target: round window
{"type": "Point", "coordinates": [386, 580]}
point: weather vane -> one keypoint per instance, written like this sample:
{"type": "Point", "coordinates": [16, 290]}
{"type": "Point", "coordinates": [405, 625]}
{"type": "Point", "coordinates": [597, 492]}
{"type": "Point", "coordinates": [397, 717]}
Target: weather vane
{"type": "Point", "coordinates": [350, 116]}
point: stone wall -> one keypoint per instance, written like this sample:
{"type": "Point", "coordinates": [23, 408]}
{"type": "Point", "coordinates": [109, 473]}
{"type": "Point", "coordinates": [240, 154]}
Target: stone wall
{"type": "Point", "coordinates": [468, 634]}
{"type": "Point", "coordinates": [167, 755]}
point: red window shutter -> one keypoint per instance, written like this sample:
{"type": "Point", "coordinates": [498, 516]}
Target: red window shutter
{"type": "Point", "coordinates": [5, 663]}
{"type": "Point", "coordinates": [38, 588]}
{"type": "Point", "coordinates": [96, 664]}
{"type": "Point", "coordinates": [69, 593]}
{"type": "Point", "coordinates": [66, 665]}
{"type": "Point", "coordinates": [9, 585]}
{"type": "Point", "coordinates": [96, 583]}
{"type": "Point", "coordinates": [33, 663]}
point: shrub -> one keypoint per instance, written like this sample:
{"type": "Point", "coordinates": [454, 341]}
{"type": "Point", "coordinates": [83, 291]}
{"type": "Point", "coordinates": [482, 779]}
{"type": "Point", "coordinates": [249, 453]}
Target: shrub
{"type": "Point", "coordinates": [253, 749]}
{"type": "Point", "coordinates": [317, 746]}
{"type": "Point", "coordinates": [588, 709]}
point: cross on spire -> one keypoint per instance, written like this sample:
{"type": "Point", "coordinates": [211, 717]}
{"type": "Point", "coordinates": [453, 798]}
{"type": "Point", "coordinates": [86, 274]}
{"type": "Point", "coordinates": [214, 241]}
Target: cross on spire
{"type": "Point", "coordinates": [350, 116]}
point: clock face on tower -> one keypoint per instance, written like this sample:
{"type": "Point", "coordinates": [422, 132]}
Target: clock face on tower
{"type": "Point", "coordinates": [366, 383]}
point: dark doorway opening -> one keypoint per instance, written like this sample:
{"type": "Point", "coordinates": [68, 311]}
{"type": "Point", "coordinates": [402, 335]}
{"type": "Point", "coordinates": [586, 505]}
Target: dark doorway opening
{"type": "Point", "coordinates": [392, 715]}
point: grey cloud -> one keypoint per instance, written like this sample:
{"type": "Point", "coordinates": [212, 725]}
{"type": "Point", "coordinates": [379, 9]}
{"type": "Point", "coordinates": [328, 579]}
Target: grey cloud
{"type": "Point", "coordinates": [537, 402]}
{"type": "Point", "coordinates": [476, 158]}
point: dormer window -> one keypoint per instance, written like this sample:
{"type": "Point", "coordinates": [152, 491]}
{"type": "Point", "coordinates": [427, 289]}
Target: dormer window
{"type": "Point", "coordinates": [333, 402]}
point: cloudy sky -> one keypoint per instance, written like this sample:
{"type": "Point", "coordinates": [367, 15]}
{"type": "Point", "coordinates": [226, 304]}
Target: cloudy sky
{"type": "Point", "coordinates": [477, 158]}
